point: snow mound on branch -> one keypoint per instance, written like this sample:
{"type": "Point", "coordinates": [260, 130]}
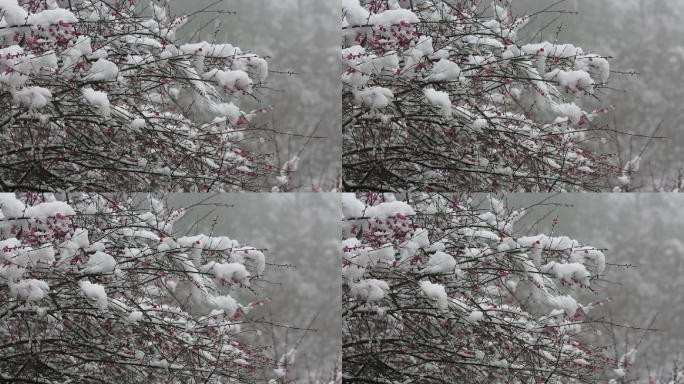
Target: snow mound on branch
{"type": "Point", "coordinates": [29, 290]}
{"type": "Point", "coordinates": [353, 208]}
{"type": "Point", "coordinates": [370, 289]}
{"type": "Point", "coordinates": [239, 255]}
{"type": "Point", "coordinates": [10, 206]}
{"type": "Point", "coordinates": [575, 80]}
{"type": "Point", "coordinates": [52, 16]}
{"type": "Point", "coordinates": [374, 97]}
{"type": "Point", "coordinates": [49, 209]}
{"type": "Point", "coordinates": [566, 303]}
{"type": "Point", "coordinates": [231, 272]}
{"type": "Point", "coordinates": [445, 70]}
{"type": "Point", "coordinates": [12, 13]}
{"type": "Point", "coordinates": [134, 317]}
{"type": "Point", "coordinates": [32, 97]}
{"type": "Point", "coordinates": [547, 49]}
{"type": "Point", "coordinates": [100, 262]}
{"type": "Point", "coordinates": [95, 292]}
{"type": "Point", "coordinates": [354, 13]}
{"type": "Point", "coordinates": [210, 50]}
{"type": "Point", "coordinates": [475, 316]}
{"type": "Point", "coordinates": [384, 254]}
{"type": "Point", "coordinates": [79, 240]}
{"type": "Point", "coordinates": [560, 243]}
{"type": "Point", "coordinates": [435, 292]}
{"type": "Point", "coordinates": [594, 63]}
{"type": "Point", "coordinates": [599, 259]}
{"type": "Point", "coordinates": [440, 262]}
{"type": "Point", "coordinates": [230, 80]}
{"type": "Point", "coordinates": [225, 303]}
{"type": "Point", "coordinates": [439, 99]}
{"type": "Point", "coordinates": [138, 123]}
{"type": "Point", "coordinates": [103, 70]}
{"type": "Point", "coordinates": [219, 243]}
{"type": "Point", "coordinates": [393, 16]}
{"type": "Point", "coordinates": [97, 99]}
{"type": "Point", "coordinates": [567, 272]}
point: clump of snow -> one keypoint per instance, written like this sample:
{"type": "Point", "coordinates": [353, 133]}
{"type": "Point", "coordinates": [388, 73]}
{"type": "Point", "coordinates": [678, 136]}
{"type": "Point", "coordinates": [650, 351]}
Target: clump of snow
{"type": "Point", "coordinates": [32, 97]}
{"type": "Point", "coordinates": [10, 206]}
{"type": "Point", "coordinates": [97, 99]}
{"type": "Point", "coordinates": [435, 292]}
{"type": "Point", "coordinates": [29, 289]}
{"type": "Point", "coordinates": [100, 262]}
{"type": "Point", "coordinates": [596, 256]}
{"type": "Point", "coordinates": [226, 303]}
{"type": "Point", "coordinates": [138, 123]}
{"type": "Point", "coordinates": [210, 50]}
{"type": "Point", "coordinates": [445, 70]}
{"type": "Point", "coordinates": [218, 243]}
{"type": "Point", "coordinates": [250, 253]}
{"type": "Point", "coordinates": [374, 97]}
{"type": "Point", "coordinates": [560, 243]}
{"type": "Point", "coordinates": [231, 80]}
{"type": "Point", "coordinates": [80, 238]}
{"type": "Point", "coordinates": [134, 317]}
{"type": "Point", "coordinates": [440, 262]}
{"type": "Point", "coordinates": [229, 110]}
{"type": "Point", "coordinates": [594, 64]}
{"type": "Point", "coordinates": [571, 111]}
{"type": "Point", "coordinates": [103, 70]}
{"type": "Point", "coordinates": [230, 272]}
{"type": "Point", "coordinates": [565, 302]}
{"type": "Point", "coordinates": [475, 316]}
{"type": "Point", "coordinates": [95, 292]}
{"type": "Point", "coordinates": [575, 80]}
{"type": "Point", "coordinates": [370, 289]}
{"type": "Point", "coordinates": [393, 16]}
{"type": "Point", "coordinates": [52, 16]}
{"type": "Point", "coordinates": [160, 363]}
{"type": "Point", "coordinates": [547, 49]}
{"type": "Point", "coordinates": [568, 272]}
{"type": "Point", "coordinates": [12, 13]}
{"type": "Point", "coordinates": [439, 99]}
{"type": "Point", "coordinates": [49, 209]}
{"type": "Point", "coordinates": [354, 13]}
{"type": "Point", "coordinates": [384, 254]}
{"type": "Point", "coordinates": [353, 208]}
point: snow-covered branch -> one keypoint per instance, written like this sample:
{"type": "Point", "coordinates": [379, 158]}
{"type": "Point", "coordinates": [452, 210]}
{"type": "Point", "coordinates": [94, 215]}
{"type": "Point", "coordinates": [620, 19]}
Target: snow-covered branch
{"type": "Point", "coordinates": [437, 287]}
{"type": "Point", "coordinates": [104, 96]}
{"type": "Point", "coordinates": [445, 96]}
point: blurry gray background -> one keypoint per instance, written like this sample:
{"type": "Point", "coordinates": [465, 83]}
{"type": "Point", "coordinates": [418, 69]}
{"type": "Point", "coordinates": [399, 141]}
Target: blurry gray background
{"type": "Point", "coordinates": [643, 37]}
{"type": "Point", "coordinates": [301, 37]}
{"type": "Point", "coordinates": [301, 234]}
{"type": "Point", "coordinates": [644, 237]}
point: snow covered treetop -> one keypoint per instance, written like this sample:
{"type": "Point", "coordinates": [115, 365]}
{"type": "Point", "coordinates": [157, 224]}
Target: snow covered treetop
{"type": "Point", "coordinates": [104, 95]}
{"type": "Point", "coordinates": [445, 96]}
{"type": "Point", "coordinates": [446, 281]}
{"type": "Point", "coordinates": [100, 287]}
